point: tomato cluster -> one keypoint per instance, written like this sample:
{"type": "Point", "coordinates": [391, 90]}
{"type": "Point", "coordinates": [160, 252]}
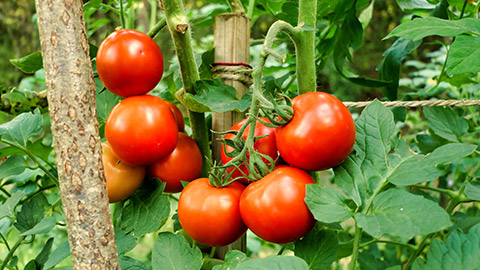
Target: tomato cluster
{"type": "Point", "coordinates": [320, 135]}
{"type": "Point", "coordinates": [144, 132]}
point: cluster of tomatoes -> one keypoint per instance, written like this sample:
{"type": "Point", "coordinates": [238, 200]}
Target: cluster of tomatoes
{"type": "Point", "coordinates": [144, 133]}
{"type": "Point", "coordinates": [320, 135]}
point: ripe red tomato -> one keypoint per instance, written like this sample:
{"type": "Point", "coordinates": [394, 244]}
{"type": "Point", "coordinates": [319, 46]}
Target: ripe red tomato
{"type": "Point", "coordinates": [178, 116]}
{"type": "Point", "coordinates": [129, 63]}
{"type": "Point", "coordinates": [265, 145]}
{"type": "Point", "coordinates": [211, 215]}
{"type": "Point", "coordinates": [122, 179]}
{"type": "Point", "coordinates": [183, 164]}
{"type": "Point", "coordinates": [274, 208]}
{"type": "Point", "coordinates": [320, 135]}
{"type": "Point", "coordinates": [141, 130]}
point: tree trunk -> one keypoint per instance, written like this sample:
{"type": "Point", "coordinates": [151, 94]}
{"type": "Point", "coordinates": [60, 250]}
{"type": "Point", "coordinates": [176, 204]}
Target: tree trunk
{"type": "Point", "coordinates": [71, 98]}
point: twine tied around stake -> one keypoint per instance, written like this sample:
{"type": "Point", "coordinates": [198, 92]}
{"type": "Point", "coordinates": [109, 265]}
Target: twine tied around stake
{"type": "Point", "coordinates": [417, 103]}
{"type": "Point", "coordinates": [241, 72]}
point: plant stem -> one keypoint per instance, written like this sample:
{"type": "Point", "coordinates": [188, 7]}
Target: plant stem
{"type": "Point", "coordinates": [122, 15]}
{"type": "Point", "coordinates": [356, 246]}
{"type": "Point", "coordinates": [441, 190]}
{"type": "Point", "coordinates": [179, 29]}
{"type": "Point", "coordinates": [157, 28]}
{"type": "Point", "coordinates": [236, 6]}
{"type": "Point", "coordinates": [251, 4]}
{"type": "Point", "coordinates": [11, 252]}
{"type": "Point", "coordinates": [5, 241]}
{"type": "Point", "coordinates": [305, 48]}
{"type": "Point", "coordinates": [153, 14]}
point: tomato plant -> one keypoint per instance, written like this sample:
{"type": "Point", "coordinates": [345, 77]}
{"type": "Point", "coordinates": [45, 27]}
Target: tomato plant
{"type": "Point", "coordinates": [274, 208]}
{"type": "Point", "coordinates": [141, 130]}
{"type": "Point", "coordinates": [211, 215]}
{"type": "Point", "coordinates": [265, 145]}
{"type": "Point", "coordinates": [320, 135]}
{"type": "Point", "coordinates": [122, 179]}
{"type": "Point", "coordinates": [183, 164]}
{"type": "Point", "coordinates": [129, 63]}
{"type": "Point", "coordinates": [178, 116]}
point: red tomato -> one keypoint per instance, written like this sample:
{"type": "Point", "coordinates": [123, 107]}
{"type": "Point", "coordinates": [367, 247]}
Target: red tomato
{"type": "Point", "coordinates": [265, 145]}
{"type": "Point", "coordinates": [122, 179]}
{"type": "Point", "coordinates": [178, 116]}
{"type": "Point", "coordinates": [129, 63]}
{"type": "Point", "coordinates": [274, 208]}
{"type": "Point", "coordinates": [183, 164]}
{"type": "Point", "coordinates": [141, 130]}
{"type": "Point", "coordinates": [211, 215]}
{"type": "Point", "coordinates": [320, 135]}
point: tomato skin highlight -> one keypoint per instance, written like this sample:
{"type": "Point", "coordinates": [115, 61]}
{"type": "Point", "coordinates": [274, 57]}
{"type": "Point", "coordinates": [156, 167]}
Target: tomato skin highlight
{"type": "Point", "coordinates": [141, 130]}
{"type": "Point", "coordinates": [122, 180]}
{"type": "Point", "coordinates": [183, 164]}
{"type": "Point", "coordinates": [273, 207]}
{"type": "Point", "coordinates": [129, 63]}
{"type": "Point", "coordinates": [320, 135]}
{"type": "Point", "coordinates": [178, 116]}
{"type": "Point", "coordinates": [211, 215]}
{"type": "Point", "coordinates": [265, 145]}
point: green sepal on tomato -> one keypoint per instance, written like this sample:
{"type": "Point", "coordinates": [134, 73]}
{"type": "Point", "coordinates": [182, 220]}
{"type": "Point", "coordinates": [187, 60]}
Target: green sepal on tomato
{"type": "Point", "coordinates": [273, 207]}
{"type": "Point", "coordinates": [141, 130]}
{"type": "Point", "coordinates": [211, 215]}
{"type": "Point", "coordinates": [129, 63]}
{"type": "Point", "coordinates": [320, 135]}
{"type": "Point", "coordinates": [183, 164]}
{"type": "Point", "coordinates": [265, 145]}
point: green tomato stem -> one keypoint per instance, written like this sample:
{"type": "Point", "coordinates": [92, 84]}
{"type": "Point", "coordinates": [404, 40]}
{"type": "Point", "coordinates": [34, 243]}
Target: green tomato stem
{"type": "Point", "coordinates": [356, 246]}
{"type": "Point", "coordinates": [305, 47]}
{"type": "Point", "coordinates": [11, 252]}
{"type": "Point", "coordinates": [157, 28]}
{"type": "Point", "coordinates": [122, 15]}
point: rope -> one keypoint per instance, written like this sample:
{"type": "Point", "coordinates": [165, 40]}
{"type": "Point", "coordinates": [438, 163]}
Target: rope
{"type": "Point", "coordinates": [419, 103]}
{"type": "Point", "coordinates": [233, 71]}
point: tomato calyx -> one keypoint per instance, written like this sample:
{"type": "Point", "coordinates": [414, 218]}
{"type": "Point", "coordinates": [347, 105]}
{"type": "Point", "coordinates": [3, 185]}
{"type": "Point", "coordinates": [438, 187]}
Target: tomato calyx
{"type": "Point", "coordinates": [279, 111]}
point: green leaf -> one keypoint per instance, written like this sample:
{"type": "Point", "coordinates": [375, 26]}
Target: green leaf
{"type": "Point", "coordinates": [128, 263]}
{"type": "Point", "coordinates": [464, 222]}
{"type": "Point", "coordinates": [446, 123]}
{"type": "Point", "coordinates": [8, 207]}
{"type": "Point", "coordinates": [32, 213]}
{"type": "Point", "coordinates": [106, 100]}
{"type": "Point", "coordinates": [42, 257]}
{"type": "Point", "coordinates": [416, 215]}
{"type": "Point", "coordinates": [389, 68]}
{"type": "Point", "coordinates": [44, 226]}
{"type": "Point", "coordinates": [414, 4]}
{"type": "Point", "coordinates": [464, 55]}
{"type": "Point", "coordinates": [13, 165]}
{"type": "Point", "coordinates": [327, 204]}
{"type": "Point", "coordinates": [460, 251]}
{"type": "Point", "coordinates": [419, 28]}
{"type": "Point", "coordinates": [415, 168]}
{"type": "Point", "coordinates": [472, 191]}
{"type": "Point", "coordinates": [58, 255]}
{"type": "Point", "coordinates": [232, 259]}
{"type": "Point", "coordinates": [318, 248]}
{"type": "Point", "coordinates": [172, 251]}
{"type": "Point", "coordinates": [273, 263]}
{"type": "Point", "coordinates": [147, 209]}
{"type": "Point", "coordinates": [125, 241]}
{"type": "Point", "coordinates": [215, 96]}
{"type": "Point", "coordinates": [30, 63]}
{"type": "Point", "coordinates": [368, 261]}
{"type": "Point", "coordinates": [18, 131]}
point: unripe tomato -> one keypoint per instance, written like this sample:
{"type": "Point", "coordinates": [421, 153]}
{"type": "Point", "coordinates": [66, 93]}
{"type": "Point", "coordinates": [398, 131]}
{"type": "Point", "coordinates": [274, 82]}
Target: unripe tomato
{"type": "Point", "coordinates": [211, 215]}
{"type": "Point", "coordinates": [178, 116]}
{"type": "Point", "coordinates": [129, 63]}
{"type": "Point", "coordinates": [320, 135]}
{"type": "Point", "coordinates": [183, 164]}
{"type": "Point", "coordinates": [273, 207]}
{"type": "Point", "coordinates": [122, 179]}
{"type": "Point", "coordinates": [265, 145]}
{"type": "Point", "coordinates": [141, 130]}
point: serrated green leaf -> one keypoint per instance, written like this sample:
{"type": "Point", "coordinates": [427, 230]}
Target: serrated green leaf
{"type": "Point", "coordinates": [318, 248]}
{"type": "Point", "coordinates": [419, 28]}
{"type": "Point", "coordinates": [147, 209]}
{"type": "Point", "coordinates": [172, 251]}
{"type": "Point", "coordinates": [8, 207]}
{"type": "Point", "coordinates": [464, 222]}
{"type": "Point", "coordinates": [446, 123]}
{"type": "Point", "coordinates": [125, 241]}
{"type": "Point", "coordinates": [30, 63]}
{"type": "Point", "coordinates": [32, 213]}
{"type": "Point", "coordinates": [106, 100]}
{"type": "Point", "coordinates": [472, 191]}
{"type": "Point", "coordinates": [18, 131]}
{"type": "Point", "coordinates": [128, 263]}
{"type": "Point", "coordinates": [232, 259]}
{"type": "Point", "coordinates": [44, 226]}
{"type": "Point", "coordinates": [12, 166]}
{"type": "Point", "coordinates": [414, 4]}
{"type": "Point", "coordinates": [274, 263]}
{"type": "Point", "coordinates": [58, 255]}
{"type": "Point", "coordinates": [464, 55]}
{"type": "Point", "coordinates": [416, 215]}
{"type": "Point", "coordinates": [368, 261]}
{"type": "Point", "coordinates": [460, 251]}
{"type": "Point", "coordinates": [327, 204]}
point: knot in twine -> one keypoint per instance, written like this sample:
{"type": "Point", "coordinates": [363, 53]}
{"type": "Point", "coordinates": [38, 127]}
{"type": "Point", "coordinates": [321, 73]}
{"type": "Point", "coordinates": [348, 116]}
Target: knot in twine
{"type": "Point", "coordinates": [233, 71]}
